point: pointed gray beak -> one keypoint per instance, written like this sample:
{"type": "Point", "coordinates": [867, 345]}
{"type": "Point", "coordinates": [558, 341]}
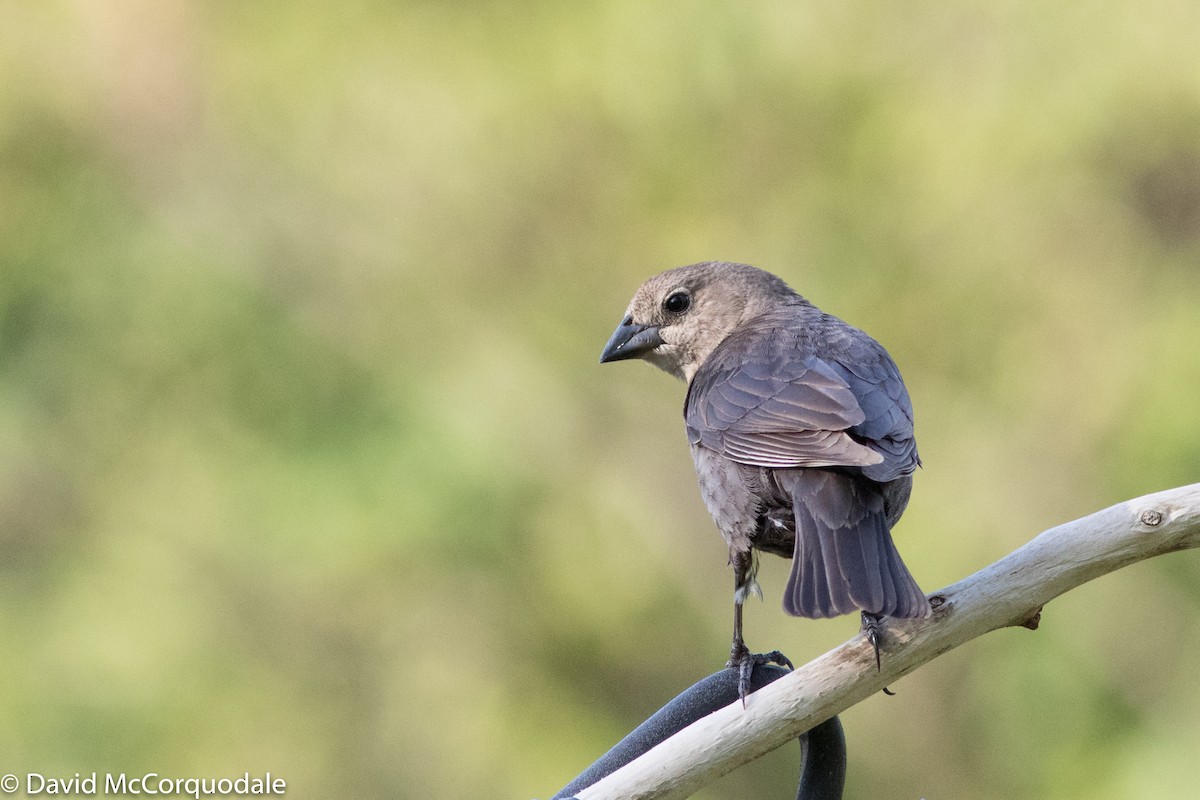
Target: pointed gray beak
{"type": "Point", "coordinates": [630, 340]}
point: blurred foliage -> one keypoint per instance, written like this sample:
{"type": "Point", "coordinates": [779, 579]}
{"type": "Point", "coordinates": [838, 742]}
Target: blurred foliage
{"type": "Point", "coordinates": [309, 466]}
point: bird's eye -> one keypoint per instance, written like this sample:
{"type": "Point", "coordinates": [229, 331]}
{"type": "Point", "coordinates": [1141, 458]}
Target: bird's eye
{"type": "Point", "coordinates": [678, 302]}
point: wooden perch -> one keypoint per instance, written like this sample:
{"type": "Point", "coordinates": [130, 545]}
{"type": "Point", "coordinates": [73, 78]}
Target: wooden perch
{"type": "Point", "coordinates": [1010, 592]}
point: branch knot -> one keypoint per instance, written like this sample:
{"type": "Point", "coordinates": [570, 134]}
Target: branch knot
{"type": "Point", "coordinates": [1151, 517]}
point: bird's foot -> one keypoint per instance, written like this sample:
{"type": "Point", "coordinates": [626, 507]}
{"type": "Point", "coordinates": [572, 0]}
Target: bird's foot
{"type": "Point", "coordinates": [871, 628]}
{"type": "Point", "coordinates": [741, 659]}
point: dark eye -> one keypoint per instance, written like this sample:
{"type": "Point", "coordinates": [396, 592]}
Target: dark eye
{"type": "Point", "coordinates": [678, 302]}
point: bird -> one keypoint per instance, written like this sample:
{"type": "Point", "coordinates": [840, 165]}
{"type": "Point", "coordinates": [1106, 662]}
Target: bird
{"type": "Point", "coordinates": [801, 430]}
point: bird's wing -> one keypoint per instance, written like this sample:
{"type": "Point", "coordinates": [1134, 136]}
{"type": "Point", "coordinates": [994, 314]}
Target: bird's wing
{"type": "Point", "coordinates": [761, 401]}
{"type": "Point", "coordinates": [887, 426]}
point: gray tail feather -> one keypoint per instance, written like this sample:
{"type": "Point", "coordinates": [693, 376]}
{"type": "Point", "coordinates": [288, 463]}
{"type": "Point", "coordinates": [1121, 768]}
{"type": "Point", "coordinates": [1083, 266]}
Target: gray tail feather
{"type": "Point", "coordinates": [844, 557]}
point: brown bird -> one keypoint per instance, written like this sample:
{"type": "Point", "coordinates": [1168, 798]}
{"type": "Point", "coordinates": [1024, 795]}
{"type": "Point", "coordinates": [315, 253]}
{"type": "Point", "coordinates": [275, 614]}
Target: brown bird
{"type": "Point", "coordinates": [802, 434]}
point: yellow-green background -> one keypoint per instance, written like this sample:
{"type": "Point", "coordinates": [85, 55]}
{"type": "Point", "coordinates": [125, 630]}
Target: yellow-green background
{"type": "Point", "coordinates": [306, 462]}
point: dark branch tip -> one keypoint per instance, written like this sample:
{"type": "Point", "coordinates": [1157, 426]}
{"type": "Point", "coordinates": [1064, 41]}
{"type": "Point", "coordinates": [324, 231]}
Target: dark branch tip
{"type": "Point", "coordinates": [1032, 621]}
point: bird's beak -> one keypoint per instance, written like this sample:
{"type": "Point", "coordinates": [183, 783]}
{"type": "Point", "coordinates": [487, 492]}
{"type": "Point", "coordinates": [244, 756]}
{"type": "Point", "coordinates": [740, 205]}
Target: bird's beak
{"type": "Point", "coordinates": [630, 340]}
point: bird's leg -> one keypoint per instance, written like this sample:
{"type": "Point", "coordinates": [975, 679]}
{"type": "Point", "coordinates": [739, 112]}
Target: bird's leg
{"type": "Point", "coordinates": [740, 657]}
{"type": "Point", "coordinates": [743, 584]}
{"type": "Point", "coordinates": [870, 627]}
{"type": "Point", "coordinates": [738, 650]}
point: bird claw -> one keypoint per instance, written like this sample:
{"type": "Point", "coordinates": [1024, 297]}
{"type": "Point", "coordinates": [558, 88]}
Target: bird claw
{"type": "Point", "coordinates": [871, 629]}
{"type": "Point", "coordinates": [744, 662]}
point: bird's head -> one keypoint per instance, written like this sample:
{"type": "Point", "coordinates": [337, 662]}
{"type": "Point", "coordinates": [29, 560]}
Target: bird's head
{"type": "Point", "coordinates": [678, 317]}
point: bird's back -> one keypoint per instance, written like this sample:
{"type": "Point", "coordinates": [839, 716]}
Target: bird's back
{"type": "Point", "coordinates": [803, 436]}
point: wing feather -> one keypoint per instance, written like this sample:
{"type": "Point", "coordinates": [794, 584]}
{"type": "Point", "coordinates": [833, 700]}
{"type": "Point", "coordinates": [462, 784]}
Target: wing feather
{"type": "Point", "coordinates": [765, 398]}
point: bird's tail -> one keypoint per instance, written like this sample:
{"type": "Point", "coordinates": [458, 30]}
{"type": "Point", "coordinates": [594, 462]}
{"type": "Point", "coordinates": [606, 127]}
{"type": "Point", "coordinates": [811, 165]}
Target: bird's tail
{"type": "Point", "coordinates": [844, 557]}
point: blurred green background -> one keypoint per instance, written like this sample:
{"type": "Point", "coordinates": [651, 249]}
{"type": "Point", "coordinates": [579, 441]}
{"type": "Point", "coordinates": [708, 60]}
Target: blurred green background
{"type": "Point", "coordinates": [308, 465]}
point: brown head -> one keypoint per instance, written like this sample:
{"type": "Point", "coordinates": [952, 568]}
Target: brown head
{"type": "Point", "coordinates": [678, 317]}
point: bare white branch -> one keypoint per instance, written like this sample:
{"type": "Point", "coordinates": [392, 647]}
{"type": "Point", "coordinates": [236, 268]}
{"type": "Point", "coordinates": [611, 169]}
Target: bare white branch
{"type": "Point", "coordinates": [1010, 592]}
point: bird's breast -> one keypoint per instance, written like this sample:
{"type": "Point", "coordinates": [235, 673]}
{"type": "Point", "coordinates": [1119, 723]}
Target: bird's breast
{"type": "Point", "coordinates": [728, 489]}
{"type": "Point", "coordinates": [746, 502]}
